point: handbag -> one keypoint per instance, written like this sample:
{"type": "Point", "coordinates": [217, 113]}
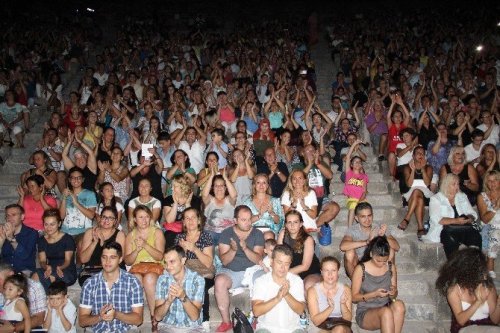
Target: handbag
{"type": "Point", "coordinates": [476, 225]}
{"type": "Point", "coordinates": [197, 266]}
{"type": "Point", "coordinates": [240, 322]}
{"type": "Point", "coordinates": [88, 271]}
{"type": "Point", "coordinates": [147, 267]}
{"type": "Point", "coordinates": [333, 322]}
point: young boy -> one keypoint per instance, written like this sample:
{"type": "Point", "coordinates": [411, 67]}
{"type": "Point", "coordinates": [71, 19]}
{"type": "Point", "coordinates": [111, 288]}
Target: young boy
{"type": "Point", "coordinates": [264, 266]}
{"type": "Point", "coordinates": [265, 263]}
{"type": "Point", "coordinates": [219, 146]}
{"type": "Point", "coordinates": [61, 312]}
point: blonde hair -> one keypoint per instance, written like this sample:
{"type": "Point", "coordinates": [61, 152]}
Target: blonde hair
{"type": "Point", "coordinates": [453, 151]}
{"type": "Point", "coordinates": [184, 183]}
{"type": "Point", "coordinates": [254, 183]}
{"type": "Point", "coordinates": [494, 173]}
{"type": "Point", "coordinates": [446, 182]}
{"type": "Point", "coordinates": [289, 185]}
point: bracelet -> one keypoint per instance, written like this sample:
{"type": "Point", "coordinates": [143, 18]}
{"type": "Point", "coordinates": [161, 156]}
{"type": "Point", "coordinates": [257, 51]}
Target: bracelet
{"type": "Point", "coordinates": [364, 299]}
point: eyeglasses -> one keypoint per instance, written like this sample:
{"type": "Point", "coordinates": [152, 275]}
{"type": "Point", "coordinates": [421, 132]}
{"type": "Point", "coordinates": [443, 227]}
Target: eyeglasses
{"type": "Point", "coordinates": [108, 218]}
{"type": "Point", "coordinates": [76, 178]}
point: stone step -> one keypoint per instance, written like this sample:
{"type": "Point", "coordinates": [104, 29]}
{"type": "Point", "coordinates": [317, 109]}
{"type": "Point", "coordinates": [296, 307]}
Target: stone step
{"type": "Point", "coordinates": [8, 179]}
{"type": "Point", "coordinates": [374, 188]}
{"type": "Point", "coordinates": [15, 167]}
{"type": "Point", "coordinates": [374, 199]}
{"type": "Point", "coordinates": [376, 177]}
{"type": "Point", "coordinates": [8, 190]}
{"type": "Point", "coordinates": [7, 200]}
{"type": "Point", "coordinates": [387, 214]}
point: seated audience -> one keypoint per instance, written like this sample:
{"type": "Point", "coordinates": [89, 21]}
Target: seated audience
{"type": "Point", "coordinates": [61, 314]}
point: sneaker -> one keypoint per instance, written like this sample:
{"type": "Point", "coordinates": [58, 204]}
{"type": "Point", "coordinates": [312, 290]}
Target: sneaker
{"type": "Point", "coordinates": [224, 327]}
{"type": "Point", "coordinates": [206, 326]}
{"type": "Point", "coordinates": [492, 274]}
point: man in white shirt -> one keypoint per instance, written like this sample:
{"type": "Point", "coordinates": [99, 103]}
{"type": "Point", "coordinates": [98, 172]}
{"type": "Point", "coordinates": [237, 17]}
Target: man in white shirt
{"type": "Point", "coordinates": [473, 150]}
{"type": "Point", "coordinates": [195, 148]}
{"type": "Point", "coordinates": [278, 299]}
{"type": "Point", "coordinates": [490, 129]}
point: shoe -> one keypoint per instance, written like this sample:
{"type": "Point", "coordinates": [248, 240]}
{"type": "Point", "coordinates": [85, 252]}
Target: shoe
{"type": "Point", "coordinates": [224, 327]}
{"type": "Point", "coordinates": [492, 274]}
{"type": "Point", "coordinates": [403, 227]}
{"type": "Point", "coordinates": [420, 233]}
{"type": "Point", "coordinates": [206, 326]}
{"type": "Point", "coordinates": [381, 158]}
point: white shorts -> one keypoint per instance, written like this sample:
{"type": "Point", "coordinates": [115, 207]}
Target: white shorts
{"type": "Point", "coordinates": [15, 130]}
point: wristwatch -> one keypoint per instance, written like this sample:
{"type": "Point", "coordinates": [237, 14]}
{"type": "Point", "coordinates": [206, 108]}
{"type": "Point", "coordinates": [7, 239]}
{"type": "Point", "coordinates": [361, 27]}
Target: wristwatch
{"type": "Point", "coordinates": [278, 172]}
{"type": "Point", "coordinates": [184, 299]}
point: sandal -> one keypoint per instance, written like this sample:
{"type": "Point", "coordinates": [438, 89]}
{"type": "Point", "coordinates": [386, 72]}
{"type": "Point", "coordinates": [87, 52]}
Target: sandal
{"type": "Point", "coordinates": [400, 227]}
{"type": "Point", "coordinates": [420, 233]}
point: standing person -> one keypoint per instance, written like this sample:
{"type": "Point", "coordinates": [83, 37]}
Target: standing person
{"type": "Point", "coordinates": [78, 205]}
{"type": "Point", "coordinates": [199, 249]}
{"type": "Point", "coordinates": [359, 235]}
{"type": "Point", "coordinates": [375, 289]}
{"type": "Point", "coordinates": [118, 311]}
{"type": "Point", "coordinates": [470, 292]}
{"type": "Point", "coordinates": [241, 173]}
{"type": "Point", "coordinates": [278, 298]}
{"type": "Point", "coordinates": [17, 241]}
{"type": "Point", "coordinates": [330, 302]}
{"type": "Point", "coordinates": [240, 247]}
{"type": "Point", "coordinates": [219, 198]}
{"type": "Point", "coordinates": [304, 263]}
{"type": "Point", "coordinates": [356, 181]}
{"type": "Point", "coordinates": [144, 246]}
{"type": "Point", "coordinates": [35, 202]}
{"type": "Point", "coordinates": [56, 252]}
{"type": "Point", "coordinates": [396, 121]}
{"type": "Point", "coordinates": [179, 295]}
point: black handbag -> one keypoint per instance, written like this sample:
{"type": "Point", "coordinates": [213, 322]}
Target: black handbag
{"type": "Point", "coordinates": [240, 322]}
{"type": "Point", "coordinates": [331, 323]}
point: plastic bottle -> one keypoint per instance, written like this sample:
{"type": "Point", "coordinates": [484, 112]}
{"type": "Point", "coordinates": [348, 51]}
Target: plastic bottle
{"type": "Point", "coordinates": [325, 235]}
{"type": "Point", "coordinates": [303, 320]}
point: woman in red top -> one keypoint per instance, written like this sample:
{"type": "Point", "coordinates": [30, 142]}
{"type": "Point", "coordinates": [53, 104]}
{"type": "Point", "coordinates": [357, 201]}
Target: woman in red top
{"type": "Point", "coordinates": [73, 116]}
{"type": "Point", "coordinates": [35, 202]}
{"type": "Point", "coordinates": [396, 121]}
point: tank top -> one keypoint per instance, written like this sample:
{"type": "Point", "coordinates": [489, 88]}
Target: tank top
{"type": "Point", "coordinates": [480, 317]}
{"type": "Point", "coordinates": [370, 283]}
{"type": "Point", "coordinates": [226, 115]}
{"type": "Point", "coordinates": [462, 176]}
{"type": "Point", "coordinates": [46, 173]}
{"type": "Point", "coordinates": [9, 310]}
{"type": "Point", "coordinates": [95, 258]}
{"type": "Point", "coordinates": [143, 255]}
{"type": "Point", "coordinates": [323, 302]}
{"type": "Point", "coordinates": [314, 268]}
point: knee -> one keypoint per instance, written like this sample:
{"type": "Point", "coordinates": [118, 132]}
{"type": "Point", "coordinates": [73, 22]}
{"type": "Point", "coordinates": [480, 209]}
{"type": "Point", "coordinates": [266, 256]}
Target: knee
{"type": "Point", "coordinates": [222, 283]}
{"type": "Point", "coordinates": [150, 279]}
{"type": "Point", "coordinates": [386, 313]}
{"type": "Point", "coordinates": [350, 256]}
{"type": "Point", "coordinates": [398, 308]}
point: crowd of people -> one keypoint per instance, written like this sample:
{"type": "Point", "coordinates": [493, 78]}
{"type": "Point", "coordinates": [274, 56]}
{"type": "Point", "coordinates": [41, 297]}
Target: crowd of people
{"type": "Point", "coordinates": [194, 160]}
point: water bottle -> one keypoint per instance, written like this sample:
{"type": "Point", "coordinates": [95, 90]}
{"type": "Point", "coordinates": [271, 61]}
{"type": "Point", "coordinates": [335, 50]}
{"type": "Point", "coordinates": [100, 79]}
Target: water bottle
{"type": "Point", "coordinates": [250, 317]}
{"type": "Point", "coordinates": [325, 235]}
{"type": "Point", "coordinates": [303, 320]}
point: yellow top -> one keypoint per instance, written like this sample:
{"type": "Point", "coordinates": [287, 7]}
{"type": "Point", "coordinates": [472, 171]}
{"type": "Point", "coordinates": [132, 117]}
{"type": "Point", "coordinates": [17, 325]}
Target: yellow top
{"type": "Point", "coordinates": [143, 255]}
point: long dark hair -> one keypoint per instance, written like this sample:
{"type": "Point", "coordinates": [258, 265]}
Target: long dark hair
{"type": "Point", "coordinates": [467, 268]}
{"type": "Point", "coordinates": [101, 197]}
{"type": "Point", "coordinates": [20, 281]}
{"type": "Point", "coordinates": [378, 246]}
{"type": "Point", "coordinates": [298, 246]}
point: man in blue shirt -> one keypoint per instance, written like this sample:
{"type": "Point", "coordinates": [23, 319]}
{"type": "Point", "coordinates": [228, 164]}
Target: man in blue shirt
{"type": "Point", "coordinates": [17, 241]}
{"type": "Point", "coordinates": [112, 300]}
{"type": "Point", "coordinates": [179, 295]}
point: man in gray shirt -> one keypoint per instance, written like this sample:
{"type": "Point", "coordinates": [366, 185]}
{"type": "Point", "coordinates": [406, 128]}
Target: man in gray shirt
{"type": "Point", "coordinates": [240, 247]}
{"type": "Point", "coordinates": [360, 234]}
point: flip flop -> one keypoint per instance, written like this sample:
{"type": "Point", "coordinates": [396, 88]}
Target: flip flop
{"type": "Point", "coordinates": [400, 227]}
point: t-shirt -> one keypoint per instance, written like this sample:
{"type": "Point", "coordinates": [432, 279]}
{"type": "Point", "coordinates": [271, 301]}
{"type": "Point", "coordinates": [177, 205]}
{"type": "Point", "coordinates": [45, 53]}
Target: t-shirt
{"type": "Point", "coordinates": [471, 153]}
{"type": "Point", "coordinates": [195, 152]}
{"type": "Point", "coordinates": [33, 211]}
{"type": "Point", "coordinates": [406, 158]}
{"type": "Point", "coordinates": [355, 184]}
{"type": "Point", "coordinates": [75, 221]}
{"type": "Point", "coordinates": [281, 318]}
{"type": "Point", "coordinates": [275, 183]}
{"type": "Point", "coordinates": [10, 113]}
{"type": "Point", "coordinates": [69, 311]}
{"type": "Point", "coordinates": [357, 234]}
{"type": "Point", "coordinates": [310, 201]}
{"type": "Point", "coordinates": [317, 182]}
{"type": "Point", "coordinates": [241, 261]}
{"type": "Point", "coordinates": [493, 138]}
